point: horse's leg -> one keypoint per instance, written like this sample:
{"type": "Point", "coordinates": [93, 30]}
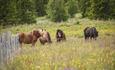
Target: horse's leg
{"type": "Point", "coordinates": [95, 38]}
{"type": "Point", "coordinates": [34, 41]}
{"type": "Point", "coordinates": [33, 44]}
{"type": "Point", "coordinates": [42, 41]}
{"type": "Point", "coordinates": [21, 45]}
{"type": "Point", "coordinates": [85, 38]}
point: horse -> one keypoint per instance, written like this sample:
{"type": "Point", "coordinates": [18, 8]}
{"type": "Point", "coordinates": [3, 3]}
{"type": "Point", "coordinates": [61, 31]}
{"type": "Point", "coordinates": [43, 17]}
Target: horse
{"type": "Point", "coordinates": [60, 35]}
{"type": "Point", "coordinates": [29, 38]}
{"type": "Point", "coordinates": [90, 32]}
{"type": "Point", "coordinates": [45, 37]}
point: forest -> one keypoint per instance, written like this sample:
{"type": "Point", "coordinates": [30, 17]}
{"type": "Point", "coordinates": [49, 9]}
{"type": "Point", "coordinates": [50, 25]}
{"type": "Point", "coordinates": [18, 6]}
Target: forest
{"type": "Point", "coordinates": [14, 12]}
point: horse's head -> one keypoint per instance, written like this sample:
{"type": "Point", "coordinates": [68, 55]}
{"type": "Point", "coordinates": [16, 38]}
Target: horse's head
{"type": "Point", "coordinates": [36, 33]}
{"type": "Point", "coordinates": [41, 31]}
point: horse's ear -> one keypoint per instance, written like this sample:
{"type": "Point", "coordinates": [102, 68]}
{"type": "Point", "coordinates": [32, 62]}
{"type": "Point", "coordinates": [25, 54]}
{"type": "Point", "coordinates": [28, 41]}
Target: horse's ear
{"type": "Point", "coordinates": [42, 29]}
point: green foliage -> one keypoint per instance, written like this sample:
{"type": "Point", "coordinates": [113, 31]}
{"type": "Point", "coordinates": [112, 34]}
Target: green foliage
{"type": "Point", "coordinates": [41, 7]}
{"type": "Point", "coordinates": [72, 7]}
{"type": "Point", "coordinates": [84, 7]}
{"type": "Point", "coordinates": [57, 11]}
{"type": "Point", "coordinates": [8, 12]}
{"type": "Point", "coordinates": [26, 11]}
{"type": "Point", "coordinates": [60, 10]}
{"type": "Point", "coordinates": [97, 9]}
{"type": "Point", "coordinates": [112, 9]}
{"type": "Point", "coordinates": [17, 11]}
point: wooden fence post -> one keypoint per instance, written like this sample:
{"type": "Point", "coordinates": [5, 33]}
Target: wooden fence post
{"type": "Point", "coordinates": [9, 46]}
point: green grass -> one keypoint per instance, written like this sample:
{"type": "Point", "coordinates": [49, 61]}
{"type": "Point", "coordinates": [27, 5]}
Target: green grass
{"type": "Point", "coordinates": [73, 54]}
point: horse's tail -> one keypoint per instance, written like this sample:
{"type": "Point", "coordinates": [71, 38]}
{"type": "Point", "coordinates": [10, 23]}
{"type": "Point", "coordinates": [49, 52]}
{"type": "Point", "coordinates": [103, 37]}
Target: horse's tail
{"type": "Point", "coordinates": [21, 37]}
{"type": "Point", "coordinates": [49, 37]}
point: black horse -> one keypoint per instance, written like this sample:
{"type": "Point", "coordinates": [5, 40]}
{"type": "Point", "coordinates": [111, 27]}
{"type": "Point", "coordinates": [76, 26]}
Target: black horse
{"type": "Point", "coordinates": [90, 33]}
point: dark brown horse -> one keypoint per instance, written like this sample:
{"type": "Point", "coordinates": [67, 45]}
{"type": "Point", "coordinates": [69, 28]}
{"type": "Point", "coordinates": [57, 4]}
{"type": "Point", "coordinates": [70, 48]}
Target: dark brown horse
{"type": "Point", "coordinates": [29, 38]}
{"type": "Point", "coordinates": [90, 33]}
{"type": "Point", "coordinates": [60, 35]}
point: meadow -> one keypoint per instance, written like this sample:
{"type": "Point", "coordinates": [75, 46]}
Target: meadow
{"type": "Point", "coordinates": [73, 54]}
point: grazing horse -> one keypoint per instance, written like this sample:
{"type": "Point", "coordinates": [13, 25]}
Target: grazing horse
{"type": "Point", "coordinates": [45, 37]}
{"type": "Point", "coordinates": [60, 35]}
{"type": "Point", "coordinates": [90, 32]}
{"type": "Point", "coordinates": [29, 38]}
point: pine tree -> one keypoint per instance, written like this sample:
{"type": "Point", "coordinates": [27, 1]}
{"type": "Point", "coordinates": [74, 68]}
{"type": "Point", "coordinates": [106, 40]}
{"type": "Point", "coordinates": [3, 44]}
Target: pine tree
{"type": "Point", "coordinates": [84, 7]}
{"type": "Point", "coordinates": [112, 9]}
{"type": "Point", "coordinates": [26, 11]}
{"type": "Point", "coordinates": [57, 11]}
{"type": "Point", "coordinates": [99, 9]}
{"type": "Point", "coordinates": [8, 12]}
{"type": "Point", "coordinates": [17, 11]}
{"type": "Point", "coordinates": [41, 7]}
{"type": "Point", "coordinates": [72, 7]}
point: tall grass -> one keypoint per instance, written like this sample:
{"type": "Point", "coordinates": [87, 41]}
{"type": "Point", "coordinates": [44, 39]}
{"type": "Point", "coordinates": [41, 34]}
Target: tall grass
{"type": "Point", "coordinates": [73, 54]}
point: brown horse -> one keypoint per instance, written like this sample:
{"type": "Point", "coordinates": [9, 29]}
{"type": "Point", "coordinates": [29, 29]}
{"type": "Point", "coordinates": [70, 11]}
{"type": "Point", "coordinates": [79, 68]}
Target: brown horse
{"type": "Point", "coordinates": [29, 38]}
{"type": "Point", "coordinates": [60, 35]}
{"type": "Point", "coordinates": [45, 37]}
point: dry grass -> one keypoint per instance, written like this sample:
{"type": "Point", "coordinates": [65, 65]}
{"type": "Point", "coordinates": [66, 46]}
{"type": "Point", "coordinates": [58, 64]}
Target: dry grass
{"type": "Point", "coordinates": [74, 54]}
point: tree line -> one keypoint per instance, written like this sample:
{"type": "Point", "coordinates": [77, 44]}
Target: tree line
{"type": "Point", "coordinates": [26, 11]}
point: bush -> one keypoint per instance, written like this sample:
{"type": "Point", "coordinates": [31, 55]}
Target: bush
{"type": "Point", "coordinates": [41, 7]}
{"type": "Point", "coordinates": [26, 11]}
{"type": "Point", "coordinates": [72, 7]}
{"type": "Point", "coordinates": [112, 9]}
{"type": "Point", "coordinates": [84, 7]}
{"type": "Point", "coordinates": [97, 9]}
{"type": "Point", "coordinates": [57, 11]}
{"type": "Point", "coordinates": [17, 11]}
{"type": "Point", "coordinates": [8, 12]}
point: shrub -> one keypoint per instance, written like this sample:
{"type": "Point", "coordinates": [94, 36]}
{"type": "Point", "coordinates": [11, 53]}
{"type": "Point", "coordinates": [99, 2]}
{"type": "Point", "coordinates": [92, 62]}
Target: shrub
{"type": "Point", "coordinates": [97, 9]}
{"type": "Point", "coordinates": [41, 7]}
{"type": "Point", "coordinates": [57, 11]}
{"type": "Point", "coordinates": [72, 6]}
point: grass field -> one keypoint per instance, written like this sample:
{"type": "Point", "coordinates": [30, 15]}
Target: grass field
{"type": "Point", "coordinates": [73, 54]}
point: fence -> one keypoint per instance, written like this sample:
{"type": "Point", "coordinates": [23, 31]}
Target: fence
{"type": "Point", "coordinates": [9, 46]}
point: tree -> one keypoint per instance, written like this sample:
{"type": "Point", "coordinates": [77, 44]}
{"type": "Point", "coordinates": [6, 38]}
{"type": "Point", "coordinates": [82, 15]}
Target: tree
{"type": "Point", "coordinates": [99, 9]}
{"type": "Point", "coordinates": [72, 6]}
{"type": "Point", "coordinates": [17, 11]}
{"type": "Point", "coordinates": [112, 9]}
{"type": "Point", "coordinates": [41, 7]}
{"type": "Point", "coordinates": [57, 11]}
{"type": "Point", "coordinates": [8, 12]}
{"type": "Point", "coordinates": [84, 7]}
{"type": "Point", "coordinates": [26, 11]}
